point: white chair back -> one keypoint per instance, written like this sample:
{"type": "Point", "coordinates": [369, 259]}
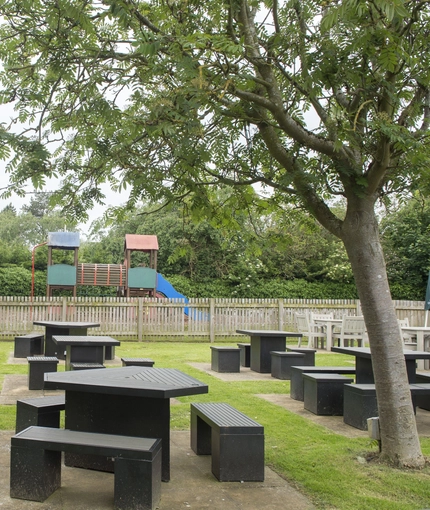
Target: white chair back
{"type": "Point", "coordinates": [403, 323]}
{"type": "Point", "coordinates": [353, 328]}
{"type": "Point", "coordinates": [409, 339]}
{"type": "Point", "coordinates": [309, 330]}
{"type": "Point", "coordinates": [321, 316]}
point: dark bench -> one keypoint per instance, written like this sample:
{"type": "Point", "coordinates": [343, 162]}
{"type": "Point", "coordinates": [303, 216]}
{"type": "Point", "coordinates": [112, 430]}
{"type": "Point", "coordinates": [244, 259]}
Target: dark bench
{"type": "Point", "coordinates": [360, 402]}
{"type": "Point", "coordinates": [35, 466]}
{"type": "Point", "coordinates": [422, 401]}
{"type": "Point", "coordinates": [421, 393]}
{"type": "Point", "coordinates": [28, 345]}
{"type": "Point", "coordinates": [38, 366]}
{"type": "Point", "coordinates": [323, 393]}
{"type": "Point", "coordinates": [281, 363]}
{"type": "Point", "coordinates": [225, 359]}
{"type": "Point", "coordinates": [137, 362]}
{"type": "Point", "coordinates": [85, 366]}
{"type": "Point", "coordinates": [245, 354]}
{"type": "Point", "coordinates": [41, 411]}
{"type": "Point", "coordinates": [309, 358]}
{"type": "Point", "coordinates": [296, 382]}
{"type": "Point", "coordinates": [109, 352]}
{"type": "Point", "coordinates": [235, 441]}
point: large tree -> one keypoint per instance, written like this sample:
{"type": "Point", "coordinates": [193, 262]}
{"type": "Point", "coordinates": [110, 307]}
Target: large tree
{"type": "Point", "coordinates": [308, 100]}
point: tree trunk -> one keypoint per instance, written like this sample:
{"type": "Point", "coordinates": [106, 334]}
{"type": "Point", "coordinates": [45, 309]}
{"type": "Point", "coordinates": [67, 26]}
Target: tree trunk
{"type": "Point", "coordinates": [399, 437]}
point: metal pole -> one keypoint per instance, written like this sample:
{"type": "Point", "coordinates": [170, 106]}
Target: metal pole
{"type": "Point", "coordinates": [32, 276]}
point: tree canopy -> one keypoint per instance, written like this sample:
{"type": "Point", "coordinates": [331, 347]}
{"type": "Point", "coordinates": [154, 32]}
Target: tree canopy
{"type": "Point", "coordinates": [305, 101]}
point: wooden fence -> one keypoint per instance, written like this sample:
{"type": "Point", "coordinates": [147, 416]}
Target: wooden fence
{"type": "Point", "coordinates": [156, 319]}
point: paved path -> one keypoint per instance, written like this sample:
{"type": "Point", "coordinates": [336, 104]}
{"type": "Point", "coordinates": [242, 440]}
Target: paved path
{"type": "Point", "coordinates": [192, 484]}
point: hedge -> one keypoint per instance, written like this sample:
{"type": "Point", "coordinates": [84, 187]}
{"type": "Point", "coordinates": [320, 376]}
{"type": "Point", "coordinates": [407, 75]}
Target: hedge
{"type": "Point", "coordinates": [16, 281]}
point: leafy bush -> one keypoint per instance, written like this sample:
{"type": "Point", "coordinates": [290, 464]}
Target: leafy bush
{"type": "Point", "coordinates": [16, 281]}
{"type": "Point", "coordinates": [263, 289]}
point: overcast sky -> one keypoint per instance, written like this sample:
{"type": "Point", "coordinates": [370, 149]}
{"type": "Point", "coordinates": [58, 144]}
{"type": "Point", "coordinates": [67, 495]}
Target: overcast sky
{"type": "Point", "coordinates": [112, 199]}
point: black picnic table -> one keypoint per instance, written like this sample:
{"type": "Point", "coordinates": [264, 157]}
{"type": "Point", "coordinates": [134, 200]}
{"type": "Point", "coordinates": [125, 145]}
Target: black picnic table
{"type": "Point", "coordinates": [62, 328]}
{"type": "Point", "coordinates": [130, 401]}
{"type": "Point", "coordinates": [363, 362]}
{"type": "Point", "coordinates": [84, 349]}
{"type": "Point", "coordinates": [262, 343]}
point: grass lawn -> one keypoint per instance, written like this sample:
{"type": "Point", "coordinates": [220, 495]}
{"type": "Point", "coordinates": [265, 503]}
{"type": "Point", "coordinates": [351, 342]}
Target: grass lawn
{"type": "Point", "coordinates": [328, 468]}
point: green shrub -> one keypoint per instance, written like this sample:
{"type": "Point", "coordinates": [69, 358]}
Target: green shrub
{"type": "Point", "coordinates": [16, 281]}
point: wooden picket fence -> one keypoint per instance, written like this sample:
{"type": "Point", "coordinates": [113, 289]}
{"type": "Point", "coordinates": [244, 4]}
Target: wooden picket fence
{"type": "Point", "coordinates": [157, 319]}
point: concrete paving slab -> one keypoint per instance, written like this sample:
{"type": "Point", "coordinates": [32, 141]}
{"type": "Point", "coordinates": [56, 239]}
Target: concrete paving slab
{"type": "Point", "coordinates": [192, 486]}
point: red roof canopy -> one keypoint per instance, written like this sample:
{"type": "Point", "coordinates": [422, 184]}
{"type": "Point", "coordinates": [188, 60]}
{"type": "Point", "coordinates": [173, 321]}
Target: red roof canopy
{"type": "Point", "coordinates": [138, 242]}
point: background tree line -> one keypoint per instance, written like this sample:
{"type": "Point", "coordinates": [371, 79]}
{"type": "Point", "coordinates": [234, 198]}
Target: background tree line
{"type": "Point", "coordinates": [264, 255]}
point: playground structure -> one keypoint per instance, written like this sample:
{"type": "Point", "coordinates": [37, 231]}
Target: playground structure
{"type": "Point", "coordinates": [129, 281]}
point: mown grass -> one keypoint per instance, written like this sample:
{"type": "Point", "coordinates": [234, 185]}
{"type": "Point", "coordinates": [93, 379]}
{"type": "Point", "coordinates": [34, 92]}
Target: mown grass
{"type": "Point", "coordinates": [328, 468]}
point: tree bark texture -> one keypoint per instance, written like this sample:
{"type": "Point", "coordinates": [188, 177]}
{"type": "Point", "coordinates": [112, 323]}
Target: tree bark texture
{"type": "Point", "coordinates": [399, 438]}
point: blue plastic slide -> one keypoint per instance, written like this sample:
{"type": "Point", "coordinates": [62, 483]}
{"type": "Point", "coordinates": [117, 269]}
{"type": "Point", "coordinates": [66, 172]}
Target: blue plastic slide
{"type": "Point", "coordinates": [166, 288]}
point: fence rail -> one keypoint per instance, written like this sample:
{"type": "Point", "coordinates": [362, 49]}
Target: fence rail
{"type": "Point", "coordinates": [151, 318]}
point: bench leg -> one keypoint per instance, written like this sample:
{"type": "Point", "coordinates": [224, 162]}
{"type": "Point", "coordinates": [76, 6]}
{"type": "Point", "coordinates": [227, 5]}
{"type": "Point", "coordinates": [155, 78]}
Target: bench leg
{"type": "Point", "coordinates": [34, 473]}
{"type": "Point", "coordinates": [237, 457]}
{"type": "Point", "coordinates": [201, 434]}
{"type": "Point", "coordinates": [137, 483]}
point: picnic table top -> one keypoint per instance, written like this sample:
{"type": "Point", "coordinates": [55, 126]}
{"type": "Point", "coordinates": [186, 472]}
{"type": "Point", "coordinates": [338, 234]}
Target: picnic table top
{"type": "Point", "coordinates": [364, 352]}
{"type": "Point", "coordinates": [67, 324]}
{"type": "Point", "coordinates": [268, 332]}
{"type": "Point", "coordinates": [84, 340]}
{"type": "Point", "coordinates": [133, 380]}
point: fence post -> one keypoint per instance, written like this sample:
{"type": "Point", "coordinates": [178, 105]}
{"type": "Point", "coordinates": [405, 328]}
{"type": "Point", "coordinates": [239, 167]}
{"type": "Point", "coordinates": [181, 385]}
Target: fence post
{"type": "Point", "coordinates": [139, 319]}
{"type": "Point", "coordinates": [280, 314]}
{"type": "Point", "coordinates": [64, 310]}
{"type": "Point", "coordinates": [212, 320]}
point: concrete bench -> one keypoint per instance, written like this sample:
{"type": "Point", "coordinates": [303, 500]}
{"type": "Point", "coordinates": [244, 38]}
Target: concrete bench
{"type": "Point", "coordinates": [245, 354]}
{"type": "Point", "coordinates": [235, 441]}
{"type": "Point", "coordinates": [309, 358]}
{"type": "Point", "coordinates": [109, 352]}
{"type": "Point", "coordinates": [281, 363]}
{"type": "Point", "coordinates": [422, 401]}
{"type": "Point", "coordinates": [85, 366]}
{"type": "Point", "coordinates": [41, 411]}
{"type": "Point", "coordinates": [296, 382]}
{"type": "Point", "coordinates": [323, 393]}
{"type": "Point", "coordinates": [38, 366]}
{"type": "Point", "coordinates": [360, 402]}
{"type": "Point", "coordinates": [35, 465]}
{"type": "Point", "coordinates": [28, 345]}
{"type": "Point", "coordinates": [137, 362]}
{"type": "Point", "coordinates": [421, 394]}
{"type": "Point", "coordinates": [225, 359]}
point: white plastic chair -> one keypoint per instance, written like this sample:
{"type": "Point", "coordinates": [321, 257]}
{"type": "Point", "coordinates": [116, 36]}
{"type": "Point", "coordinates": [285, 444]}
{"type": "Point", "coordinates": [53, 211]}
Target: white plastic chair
{"type": "Point", "coordinates": [309, 330]}
{"type": "Point", "coordinates": [319, 317]}
{"type": "Point", "coordinates": [409, 339]}
{"type": "Point", "coordinates": [352, 328]}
